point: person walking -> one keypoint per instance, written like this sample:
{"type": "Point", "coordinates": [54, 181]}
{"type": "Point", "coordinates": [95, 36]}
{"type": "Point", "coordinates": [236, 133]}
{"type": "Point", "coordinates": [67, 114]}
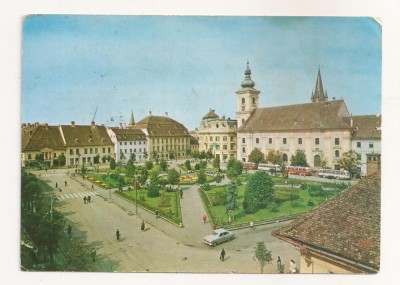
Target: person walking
{"type": "Point", "coordinates": [204, 219]}
{"type": "Point", "coordinates": [279, 265]}
{"type": "Point", "coordinates": [292, 266]}
{"type": "Point", "coordinates": [222, 255]}
{"type": "Point", "coordinates": [89, 198]}
{"type": "Point", "coordinates": [84, 200]}
{"type": "Point", "coordinates": [65, 183]}
{"type": "Point", "coordinates": [252, 224]}
{"type": "Point", "coordinates": [142, 226]}
{"type": "Point", "coordinates": [117, 234]}
{"type": "Point", "coordinates": [56, 185]}
{"type": "Point", "coordinates": [69, 231]}
{"type": "Point", "coordinates": [93, 254]}
{"type": "Point", "coordinates": [181, 193]}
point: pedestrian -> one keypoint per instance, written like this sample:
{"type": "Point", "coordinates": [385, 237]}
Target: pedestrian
{"type": "Point", "coordinates": [229, 219]}
{"type": "Point", "coordinates": [214, 227]}
{"type": "Point", "coordinates": [92, 187]}
{"type": "Point", "coordinates": [65, 183]}
{"type": "Point", "coordinates": [252, 225]}
{"type": "Point", "coordinates": [117, 234]}
{"type": "Point", "coordinates": [279, 265]}
{"type": "Point", "coordinates": [89, 198]}
{"type": "Point", "coordinates": [156, 213]}
{"type": "Point", "coordinates": [56, 185]}
{"type": "Point", "coordinates": [69, 231]}
{"type": "Point", "coordinates": [181, 193]}
{"type": "Point", "coordinates": [204, 219]}
{"type": "Point", "coordinates": [93, 254]}
{"type": "Point", "coordinates": [84, 200]}
{"type": "Point", "coordinates": [222, 255]}
{"type": "Point", "coordinates": [292, 266]}
{"type": "Point", "coordinates": [142, 226]}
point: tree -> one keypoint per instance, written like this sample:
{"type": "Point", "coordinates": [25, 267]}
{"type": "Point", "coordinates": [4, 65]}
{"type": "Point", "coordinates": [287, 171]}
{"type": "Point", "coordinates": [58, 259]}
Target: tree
{"type": "Point", "coordinates": [39, 157]}
{"type": "Point", "coordinates": [259, 192]}
{"type": "Point", "coordinates": [275, 157]}
{"type": "Point", "coordinates": [208, 154]}
{"type": "Point", "coordinates": [201, 177]}
{"type": "Point", "coordinates": [206, 187]}
{"type": "Point", "coordinates": [130, 169]}
{"type": "Point", "coordinates": [187, 165]}
{"type": "Point", "coordinates": [231, 198]}
{"type": "Point", "coordinates": [163, 164]}
{"type": "Point", "coordinates": [143, 176]}
{"type": "Point", "coordinates": [153, 190]}
{"type": "Point", "coordinates": [113, 165]}
{"type": "Point", "coordinates": [145, 154]}
{"type": "Point", "coordinates": [262, 254]}
{"type": "Point", "coordinates": [173, 176]}
{"type": "Point", "coordinates": [349, 162]}
{"type": "Point", "coordinates": [62, 159]}
{"type": "Point", "coordinates": [148, 165]}
{"type": "Point", "coordinates": [132, 158]}
{"type": "Point", "coordinates": [256, 156]}
{"type": "Point", "coordinates": [233, 168]}
{"type": "Point", "coordinates": [216, 162]}
{"type": "Point", "coordinates": [299, 158]}
{"type": "Point", "coordinates": [218, 178]}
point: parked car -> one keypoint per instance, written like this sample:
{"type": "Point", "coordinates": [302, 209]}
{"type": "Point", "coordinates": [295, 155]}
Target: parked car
{"type": "Point", "coordinates": [218, 236]}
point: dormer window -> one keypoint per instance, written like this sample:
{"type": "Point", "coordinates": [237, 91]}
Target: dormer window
{"type": "Point", "coordinates": [76, 140]}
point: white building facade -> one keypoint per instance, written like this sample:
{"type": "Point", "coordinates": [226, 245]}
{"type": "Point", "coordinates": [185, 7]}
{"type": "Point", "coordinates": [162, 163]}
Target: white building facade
{"type": "Point", "coordinates": [128, 142]}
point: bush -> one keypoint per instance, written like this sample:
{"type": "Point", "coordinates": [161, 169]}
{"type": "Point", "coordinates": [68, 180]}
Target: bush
{"type": "Point", "coordinates": [274, 207]}
{"type": "Point", "coordinates": [315, 190]}
{"type": "Point", "coordinates": [148, 165]}
{"type": "Point", "coordinates": [217, 198]}
{"type": "Point", "coordinates": [197, 166]}
{"type": "Point", "coordinates": [165, 200]}
{"type": "Point", "coordinates": [153, 190]}
{"type": "Point", "coordinates": [206, 186]}
{"type": "Point", "coordinates": [303, 186]}
{"type": "Point", "coordinates": [310, 203]}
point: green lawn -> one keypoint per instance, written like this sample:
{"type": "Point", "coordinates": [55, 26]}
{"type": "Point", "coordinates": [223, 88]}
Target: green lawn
{"type": "Point", "coordinates": [284, 206]}
{"type": "Point", "coordinates": [167, 204]}
{"type": "Point", "coordinates": [106, 179]}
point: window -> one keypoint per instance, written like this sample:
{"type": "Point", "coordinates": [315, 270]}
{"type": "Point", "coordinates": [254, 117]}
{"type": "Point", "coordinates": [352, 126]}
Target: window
{"type": "Point", "coordinates": [71, 151]}
{"type": "Point", "coordinates": [337, 167]}
{"type": "Point", "coordinates": [316, 140]}
{"type": "Point", "coordinates": [96, 150]}
{"type": "Point", "coordinates": [29, 156]}
{"type": "Point", "coordinates": [317, 161]}
{"type": "Point", "coordinates": [217, 147]}
{"type": "Point", "coordinates": [232, 146]}
{"type": "Point", "coordinates": [104, 150]}
{"type": "Point", "coordinates": [126, 150]}
{"type": "Point", "coordinates": [270, 140]}
{"type": "Point", "coordinates": [337, 154]}
{"type": "Point", "coordinates": [211, 139]}
{"type": "Point", "coordinates": [371, 145]}
{"type": "Point", "coordinates": [217, 139]}
{"type": "Point", "coordinates": [231, 138]}
{"type": "Point", "coordinates": [243, 101]}
{"type": "Point", "coordinates": [224, 139]}
{"type": "Point", "coordinates": [243, 149]}
{"type": "Point", "coordinates": [224, 147]}
{"type": "Point", "coordinates": [254, 101]}
{"type": "Point", "coordinates": [337, 141]}
{"type": "Point", "coordinates": [130, 150]}
{"type": "Point", "coordinates": [77, 151]}
{"type": "Point", "coordinates": [358, 156]}
{"type": "Point", "coordinates": [257, 140]}
{"type": "Point", "coordinates": [243, 159]}
{"type": "Point", "coordinates": [243, 140]}
{"type": "Point", "coordinates": [358, 144]}
{"type": "Point", "coordinates": [109, 150]}
{"type": "Point", "coordinates": [284, 141]}
{"type": "Point", "coordinates": [91, 150]}
{"type": "Point", "coordinates": [285, 157]}
{"type": "Point", "coordinates": [120, 143]}
{"type": "Point", "coordinates": [300, 140]}
{"type": "Point", "coordinates": [54, 155]}
{"type": "Point", "coordinates": [85, 151]}
{"type": "Point", "coordinates": [130, 143]}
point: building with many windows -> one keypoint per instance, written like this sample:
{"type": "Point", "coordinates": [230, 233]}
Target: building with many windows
{"type": "Point", "coordinates": [319, 128]}
{"type": "Point", "coordinates": [218, 135]}
{"type": "Point", "coordinates": [166, 138]}
{"type": "Point", "coordinates": [128, 142]}
{"type": "Point", "coordinates": [366, 138]}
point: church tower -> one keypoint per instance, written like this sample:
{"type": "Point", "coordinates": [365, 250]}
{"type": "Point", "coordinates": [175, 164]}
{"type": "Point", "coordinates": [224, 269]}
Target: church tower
{"type": "Point", "coordinates": [318, 95]}
{"type": "Point", "coordinates": [247, 98]}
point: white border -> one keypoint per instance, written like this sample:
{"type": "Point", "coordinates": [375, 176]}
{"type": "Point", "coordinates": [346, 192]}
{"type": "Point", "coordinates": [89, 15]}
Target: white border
{"type": "Point", "coordinates": [12, 12]}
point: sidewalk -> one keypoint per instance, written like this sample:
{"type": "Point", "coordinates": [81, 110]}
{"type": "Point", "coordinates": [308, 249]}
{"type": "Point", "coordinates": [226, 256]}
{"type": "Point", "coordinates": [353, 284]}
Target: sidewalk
{"type": "Point", "coordinates": [193, 229]}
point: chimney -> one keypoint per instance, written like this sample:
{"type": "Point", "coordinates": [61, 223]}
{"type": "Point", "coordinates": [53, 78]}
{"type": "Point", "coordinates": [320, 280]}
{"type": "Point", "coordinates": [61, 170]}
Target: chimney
{"type": "Point", "coordinates": [149, 113]}
{"type": "Point", "coordinates": [73, 123]}
{"type": "Point", "coordinates": [120, 126]}
{"type": "Point", "coordinates": [47, 126]}
{"type": "Point", "coordinates": [93, 123]}
{"type": "Point", "coordinates": [166, 114]}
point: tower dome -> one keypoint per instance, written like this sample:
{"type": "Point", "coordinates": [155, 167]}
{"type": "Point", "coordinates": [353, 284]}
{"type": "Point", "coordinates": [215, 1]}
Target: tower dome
{"type": "Point", "coordinates": [247, 82]}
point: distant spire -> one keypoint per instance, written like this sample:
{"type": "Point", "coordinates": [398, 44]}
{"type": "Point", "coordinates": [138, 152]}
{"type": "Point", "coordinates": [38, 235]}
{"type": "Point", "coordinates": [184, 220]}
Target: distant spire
{"type": "Point", "coordinates": [319, 94]}
{"type": "Point", "coordinates": [247, 82]}
{"type": "Point", "coordinates": [132, 120]}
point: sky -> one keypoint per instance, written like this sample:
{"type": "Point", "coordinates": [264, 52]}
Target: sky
{"type": "Point", "coordinates": [185, 65]}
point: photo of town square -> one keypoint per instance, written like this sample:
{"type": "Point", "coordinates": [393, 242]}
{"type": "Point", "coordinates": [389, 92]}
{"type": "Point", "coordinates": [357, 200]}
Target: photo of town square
{"type": "Point", "coordinates": [199, 144]}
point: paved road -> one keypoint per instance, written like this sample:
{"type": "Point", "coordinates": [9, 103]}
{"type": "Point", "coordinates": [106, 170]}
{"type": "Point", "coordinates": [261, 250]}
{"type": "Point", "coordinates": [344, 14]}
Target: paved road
{"type": "Point", "coordinates": [163, 247]}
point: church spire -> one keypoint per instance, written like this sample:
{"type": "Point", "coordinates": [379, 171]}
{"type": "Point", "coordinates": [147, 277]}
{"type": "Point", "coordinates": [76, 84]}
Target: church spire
{"type": "Point", "coordinates": [319, 94]}
{"type": "Point", "coordinates": [132, 120]}
{"type": "Point", "coordinates": [247, 82]}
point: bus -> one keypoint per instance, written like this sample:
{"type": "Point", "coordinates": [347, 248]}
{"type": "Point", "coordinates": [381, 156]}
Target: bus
{"type": "Point", "coordinates": [249, 165]}
{"type": "Point", "coordinates": [336, 174]}
{"type": "Point", "coordinates": [269, 166]}
{"type": "Point", "coordinates": [298, 170]}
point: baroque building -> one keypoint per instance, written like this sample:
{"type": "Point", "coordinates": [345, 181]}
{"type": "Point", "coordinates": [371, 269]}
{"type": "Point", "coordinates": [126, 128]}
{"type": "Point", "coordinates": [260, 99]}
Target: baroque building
{"type": "Point", "coordinates": [217, 134]}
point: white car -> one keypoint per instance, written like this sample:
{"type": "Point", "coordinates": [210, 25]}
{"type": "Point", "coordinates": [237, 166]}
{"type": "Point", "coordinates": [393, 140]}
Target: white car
{"type": "Point", "coordinates": [218, 236]}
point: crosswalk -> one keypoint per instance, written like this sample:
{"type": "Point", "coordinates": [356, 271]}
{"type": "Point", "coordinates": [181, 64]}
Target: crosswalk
{"type": "Point", "coordinates": [80, 195]}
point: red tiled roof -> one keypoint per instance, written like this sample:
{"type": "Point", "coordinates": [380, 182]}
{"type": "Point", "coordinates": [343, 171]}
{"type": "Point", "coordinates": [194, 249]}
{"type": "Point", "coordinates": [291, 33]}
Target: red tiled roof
{"type": "Point", "coordinates": [35, 138]}
{"type": "Point", "coordinates": [162, 126]}
{"type": "Point", "coordinates": [348, 225]}
{"type": "Point", "coordinates": [318, 115]}
{"type": "Point", "coordinates": [367, 127]}
{"type": "Point", "coordinates": [87, 135]}
{"type": "Point", "coordinates": [129, 134]}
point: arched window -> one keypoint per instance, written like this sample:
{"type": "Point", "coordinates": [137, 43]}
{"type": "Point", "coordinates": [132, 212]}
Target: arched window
{"type": "Point", "coordinates": [254, 101]}
{"type": "Point", "coordinates": [243, 101]}
{"type": "Point", "coordinates": [337, 154]}
{"type": "Point", "coordinates": [243, 149]}
{"type": "Point", "coordinates": [317, 161]}
{"type": "Point", "coordinates": [243, 159]}
{"type": "Point", "coordinates": [285, 157]}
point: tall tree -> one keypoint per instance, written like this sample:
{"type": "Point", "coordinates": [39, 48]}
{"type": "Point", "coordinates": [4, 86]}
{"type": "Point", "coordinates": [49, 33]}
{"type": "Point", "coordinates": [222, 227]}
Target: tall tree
{"type": "Point", "coordinates": [233, 168]}
{"type": "Point", "coordinates": [113, 165]}
{"type": "Point", "coordinates": [256, 156]}
{"type": "Point", "coordinates": [217, 162]}
{"type": "Point", "coordinates": [262, 254]}
{"type": "Point", "coordinates": [163, 164]}
{"type": "Point", "coordinates": [299, 158]}
{"type": "Point", "coordinates": [275, 157]}
{"type": "Point", "coordinates": [349, 162]}
{"type": "Point", "coordinates": [259, 192]}
{"type": "Point", "coordinates": [201, 177]}
{"type": "Point", "coordinates": [173, 176]}
{"type": "Point", "coordinates": [231, 198]}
